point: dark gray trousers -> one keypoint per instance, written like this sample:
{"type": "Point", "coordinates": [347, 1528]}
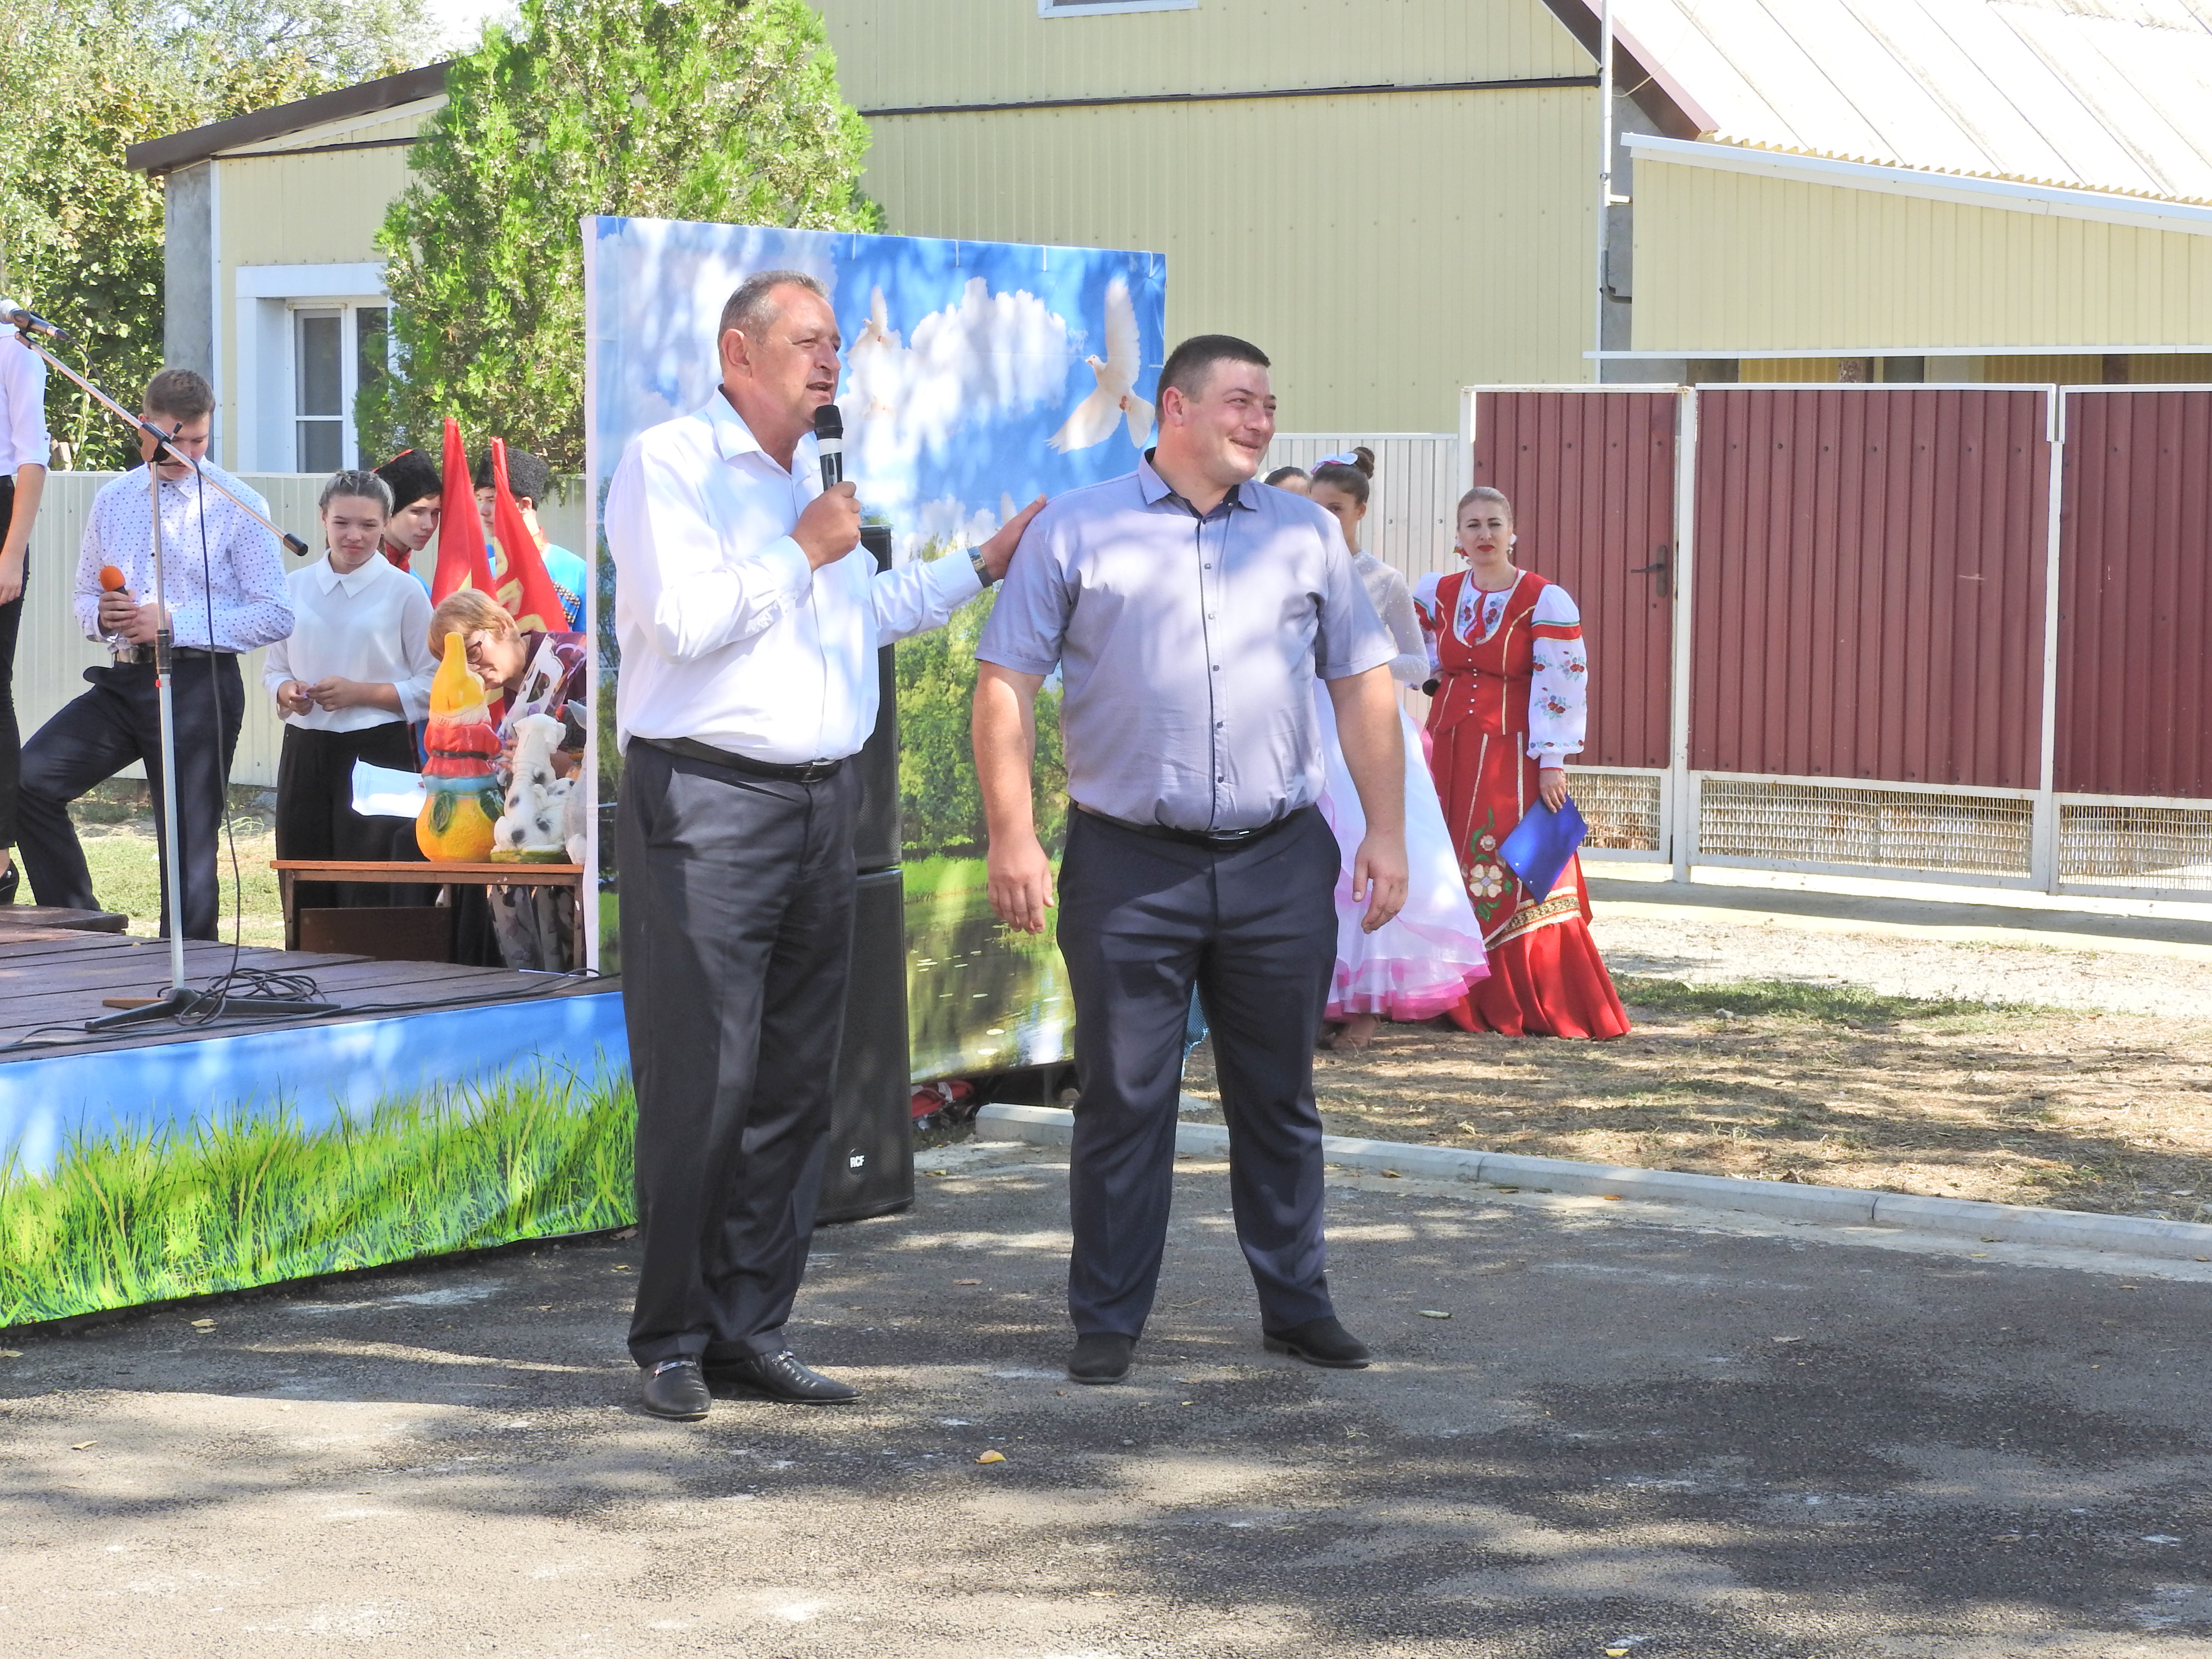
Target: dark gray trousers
{"type": "Point", "coordinates": [737, 932]}
{"type": "Point", "coordinates": [1142, 920]}
{"type": "Point", "coordinates": [91, 738]}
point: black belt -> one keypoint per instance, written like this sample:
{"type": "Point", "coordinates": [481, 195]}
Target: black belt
{"type": "Point", "coordinates": [1220, 841]}
{"type": "Point", "coordinates": [144, 654]}
{"type": "Point", "coordinates": [692, 749]}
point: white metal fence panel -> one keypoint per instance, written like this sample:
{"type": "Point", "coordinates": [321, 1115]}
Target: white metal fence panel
{"type": "Point", "coordinates": [1409, 515]}
{"type": "Point", "coordinates": [52, 654]}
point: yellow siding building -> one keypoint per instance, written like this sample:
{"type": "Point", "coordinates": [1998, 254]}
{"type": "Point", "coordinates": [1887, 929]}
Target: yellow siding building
{"type": "Point", "coordinates": [1399, 197]}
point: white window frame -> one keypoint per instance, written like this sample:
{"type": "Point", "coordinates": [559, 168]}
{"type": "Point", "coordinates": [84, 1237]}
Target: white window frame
{"type": "Point", "coordinates": [267, 297]}
{"type": "Point", "coordinates": [348, 311]}
{"type": "Point", "coordinates": [1106, 8]}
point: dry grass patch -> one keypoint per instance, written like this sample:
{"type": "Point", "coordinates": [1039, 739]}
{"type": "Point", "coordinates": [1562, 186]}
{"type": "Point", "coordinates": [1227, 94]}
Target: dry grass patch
{"type": "Point", "coordinates": [1781, 1081]}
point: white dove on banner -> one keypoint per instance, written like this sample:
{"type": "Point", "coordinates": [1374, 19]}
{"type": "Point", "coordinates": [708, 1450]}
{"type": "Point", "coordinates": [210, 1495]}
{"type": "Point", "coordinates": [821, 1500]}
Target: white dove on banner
{"type": "Point", "coordinates": [1095, 418]}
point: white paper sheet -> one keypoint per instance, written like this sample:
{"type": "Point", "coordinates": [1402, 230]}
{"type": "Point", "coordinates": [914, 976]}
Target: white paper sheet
{"type": "Point", "coordinates": [380, 793]}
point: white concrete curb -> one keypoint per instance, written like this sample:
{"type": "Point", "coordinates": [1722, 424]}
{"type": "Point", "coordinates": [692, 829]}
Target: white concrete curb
{"type": "Point", "coordinates": [1849, 1206]}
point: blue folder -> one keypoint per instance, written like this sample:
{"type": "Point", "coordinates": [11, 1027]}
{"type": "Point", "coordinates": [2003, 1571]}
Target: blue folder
{"type": "Point", "coordinates": [1540, 845]}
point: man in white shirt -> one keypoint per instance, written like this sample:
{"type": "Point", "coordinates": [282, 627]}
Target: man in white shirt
{"type": "Point", "coordinates": [749, 623]}
{"type": "Point", "coordinates": [224, 581]}
{"type": "Point", "coordinates": [23, 457]}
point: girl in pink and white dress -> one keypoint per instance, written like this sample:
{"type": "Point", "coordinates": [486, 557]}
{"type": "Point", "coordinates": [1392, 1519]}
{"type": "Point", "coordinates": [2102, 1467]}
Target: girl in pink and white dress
{"type": "Point", "coordinates": [1426, 958]}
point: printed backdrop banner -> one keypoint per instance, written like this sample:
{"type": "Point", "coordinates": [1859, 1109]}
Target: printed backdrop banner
{"type": "Point", "coordinates": [977, 375]}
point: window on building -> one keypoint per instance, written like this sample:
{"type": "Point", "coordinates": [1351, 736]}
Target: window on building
{"type": "Point", "coordinates": [337, 350]}
{"type": "Point", "coordinates": [1092, 7]}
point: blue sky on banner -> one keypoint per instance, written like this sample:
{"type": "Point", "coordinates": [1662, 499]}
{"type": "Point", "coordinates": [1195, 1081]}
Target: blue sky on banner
{"type": "Point", "coordinates": [969, 383]}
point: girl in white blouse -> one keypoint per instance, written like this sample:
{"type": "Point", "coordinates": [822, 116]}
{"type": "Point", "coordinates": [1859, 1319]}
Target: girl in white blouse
{"type": "Point", "coordinates": [355, 672]}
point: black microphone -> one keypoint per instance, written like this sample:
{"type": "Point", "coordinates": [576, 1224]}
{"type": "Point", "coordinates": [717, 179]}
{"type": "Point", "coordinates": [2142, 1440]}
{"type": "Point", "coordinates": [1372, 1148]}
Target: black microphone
{"type": "Point", "coordinates": [830, 440]}
{"type": "Point", "coordinates": [14, 316]}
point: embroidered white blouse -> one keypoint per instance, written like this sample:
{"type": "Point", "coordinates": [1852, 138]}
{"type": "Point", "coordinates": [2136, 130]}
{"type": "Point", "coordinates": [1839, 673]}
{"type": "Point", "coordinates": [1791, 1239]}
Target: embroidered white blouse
{"type": "Point", "coordinates": [1558, 682]}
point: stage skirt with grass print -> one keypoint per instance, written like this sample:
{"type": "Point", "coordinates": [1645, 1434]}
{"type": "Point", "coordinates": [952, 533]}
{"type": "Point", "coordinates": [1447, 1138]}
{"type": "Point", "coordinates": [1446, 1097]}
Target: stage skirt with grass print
{"type": "Point", "coordinates": [1514, 679]}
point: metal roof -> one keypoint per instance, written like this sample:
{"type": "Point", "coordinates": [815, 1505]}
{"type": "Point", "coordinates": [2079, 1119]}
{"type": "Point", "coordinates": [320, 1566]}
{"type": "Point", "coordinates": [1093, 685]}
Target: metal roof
{"type": "Point", "coordinates": [182, 149]}
{"type": "Point", "coordinates": [2107, 95]}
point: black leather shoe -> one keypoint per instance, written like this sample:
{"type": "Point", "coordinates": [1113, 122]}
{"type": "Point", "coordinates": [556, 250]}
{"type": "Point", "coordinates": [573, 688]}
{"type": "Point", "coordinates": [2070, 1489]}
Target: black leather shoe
{"type": "Point", "coordinates": [1321, 1342]}
{"type": "Point", "coordinates": [780, 1377]}
{"type": "Point", "coordinates": [1101, 1356]}
{"type": "Point", "coordinates": [676, 1389]}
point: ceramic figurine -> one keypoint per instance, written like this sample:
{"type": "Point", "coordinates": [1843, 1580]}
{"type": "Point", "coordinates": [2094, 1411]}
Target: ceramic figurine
{"type": "Point", "coordinates": [455, 824]}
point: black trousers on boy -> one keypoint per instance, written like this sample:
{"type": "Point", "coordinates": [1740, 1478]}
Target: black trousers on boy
{"type": "Point", "coordinates": [737, 900]}
{"type": "Point", "coordinates": [1142, 920]}
{"type": "Point", "coordinates": [92, 738]}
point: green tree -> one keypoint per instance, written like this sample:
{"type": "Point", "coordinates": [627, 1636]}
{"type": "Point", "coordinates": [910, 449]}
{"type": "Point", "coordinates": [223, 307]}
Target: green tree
{"type": "Point", "coordinates": [81, 81]}
{"type": "Point", "coordinates": [715, 110]}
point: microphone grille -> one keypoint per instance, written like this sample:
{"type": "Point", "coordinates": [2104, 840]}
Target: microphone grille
{"type": "Point", "coordinates": [828, 422]}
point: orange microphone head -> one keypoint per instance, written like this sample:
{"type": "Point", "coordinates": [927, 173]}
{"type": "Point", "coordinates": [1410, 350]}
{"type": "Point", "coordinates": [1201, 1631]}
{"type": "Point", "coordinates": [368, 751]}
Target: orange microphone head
{"type": "Point", "coordinates": [111, 579]}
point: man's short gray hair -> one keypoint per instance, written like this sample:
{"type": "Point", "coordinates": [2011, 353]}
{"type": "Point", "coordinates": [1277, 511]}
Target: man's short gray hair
{"type": "Point", "coordinates": [752, 307]}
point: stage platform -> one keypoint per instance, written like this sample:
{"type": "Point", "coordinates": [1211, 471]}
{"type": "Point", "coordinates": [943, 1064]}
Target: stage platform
{"type": "Point", "coordinates": [54, 979]}
{"type": "Point", "coordinates": [434, 1108]}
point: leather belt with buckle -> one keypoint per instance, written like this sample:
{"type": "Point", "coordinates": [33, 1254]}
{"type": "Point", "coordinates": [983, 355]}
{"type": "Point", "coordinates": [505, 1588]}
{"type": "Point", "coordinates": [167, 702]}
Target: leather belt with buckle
{"type": "Point", "coordinates": [692, 749]}
{"type": "Point", "coordinates": [1219, 841]}
{"type": "Point", "coordinates": [143, 656]}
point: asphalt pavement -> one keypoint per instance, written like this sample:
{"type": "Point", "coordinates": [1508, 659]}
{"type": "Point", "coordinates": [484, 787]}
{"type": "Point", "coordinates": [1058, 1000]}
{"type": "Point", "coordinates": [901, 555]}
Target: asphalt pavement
{"type": "Point", "coordinates": [1632, 1431]}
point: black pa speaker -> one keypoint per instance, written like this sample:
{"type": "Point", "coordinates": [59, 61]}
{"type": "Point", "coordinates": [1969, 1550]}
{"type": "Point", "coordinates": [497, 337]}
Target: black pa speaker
{"type": "Point", "coordinates": [876, 841]}
{"type": "Point", "coordinates": [869, 1168]}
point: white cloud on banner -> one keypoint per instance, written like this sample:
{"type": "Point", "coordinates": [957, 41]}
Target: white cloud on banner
{"type": "Point", "coordinates": [989, 357]}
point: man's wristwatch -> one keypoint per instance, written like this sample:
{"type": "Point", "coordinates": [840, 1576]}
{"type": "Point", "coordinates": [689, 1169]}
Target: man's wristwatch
{"type": "Point", "coordinates": [975, 563]}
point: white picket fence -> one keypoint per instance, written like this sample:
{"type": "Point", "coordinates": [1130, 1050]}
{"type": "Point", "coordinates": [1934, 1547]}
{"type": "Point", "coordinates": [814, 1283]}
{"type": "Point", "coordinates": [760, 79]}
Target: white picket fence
{"type": "Point", "coordinates": [52, 654]}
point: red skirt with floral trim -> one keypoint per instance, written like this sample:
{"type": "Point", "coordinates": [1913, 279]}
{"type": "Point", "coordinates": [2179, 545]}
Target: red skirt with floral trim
{"type": "Point", "coordinates": [1546, 978]}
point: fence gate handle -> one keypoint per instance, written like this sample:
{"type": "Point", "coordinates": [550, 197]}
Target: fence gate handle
{"type": "Point", "coordinates": [1658, 567]}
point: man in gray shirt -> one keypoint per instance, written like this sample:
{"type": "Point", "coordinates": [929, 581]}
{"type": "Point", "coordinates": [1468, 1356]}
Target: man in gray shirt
{"type": "Point", "coordinates": [1189, 608]}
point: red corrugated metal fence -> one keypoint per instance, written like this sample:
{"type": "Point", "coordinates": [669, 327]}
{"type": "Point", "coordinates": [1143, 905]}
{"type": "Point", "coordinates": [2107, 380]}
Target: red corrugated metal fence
{"type": "Point", "coordinates": [1868, 584]}
{"type": "Point", "coordinates": [2135, 612]}
{"type": "Point", "coordinates": [1591, 476]}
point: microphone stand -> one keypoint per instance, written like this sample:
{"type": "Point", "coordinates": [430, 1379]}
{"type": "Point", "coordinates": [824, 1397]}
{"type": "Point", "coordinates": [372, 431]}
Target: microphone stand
{"type": "Point", "coordinates": [180, 1000]}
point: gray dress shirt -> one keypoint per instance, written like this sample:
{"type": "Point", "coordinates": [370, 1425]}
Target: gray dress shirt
{"type": "Point", "coordinates": [1188, 645]}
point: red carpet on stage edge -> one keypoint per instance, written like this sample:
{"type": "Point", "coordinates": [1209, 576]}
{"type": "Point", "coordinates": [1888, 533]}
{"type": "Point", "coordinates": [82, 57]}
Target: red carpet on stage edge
{"type": "Point", "coordinates": [1549, 982]}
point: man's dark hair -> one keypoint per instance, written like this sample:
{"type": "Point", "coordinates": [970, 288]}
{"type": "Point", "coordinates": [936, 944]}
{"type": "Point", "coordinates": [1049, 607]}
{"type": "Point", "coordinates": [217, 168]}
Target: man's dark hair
{"type": "Point", "coordinates": [182, 394]}
{"type": "Point", "coordinates": [1190, 365]}
{"type": "Point", "coordinates": [528, 479]}
{"type": "Point", "coordinates": [411, 477]}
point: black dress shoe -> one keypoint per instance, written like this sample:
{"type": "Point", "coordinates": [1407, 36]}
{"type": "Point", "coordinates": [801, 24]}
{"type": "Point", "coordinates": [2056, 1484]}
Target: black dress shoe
{"type": "Point", "coordinates": [1101, 1357]}
{"type": "Point", "coordinates": [10, 882]}
{"type": "Point", "coordinates": [1321, 1342]}
{"type": "Point", "coordinates": [676, 1389]}
{"type": "Point", "coordinates": [780, 1377]}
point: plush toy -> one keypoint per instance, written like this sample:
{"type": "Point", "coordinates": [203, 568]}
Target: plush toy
{"type": "Point", "coordinates": [534, 830]}
{"type": "Point", "coordinates": [462, 792]}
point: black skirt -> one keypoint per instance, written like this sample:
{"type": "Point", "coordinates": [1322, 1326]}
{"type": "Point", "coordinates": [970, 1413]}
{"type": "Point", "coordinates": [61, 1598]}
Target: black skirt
{"type": "Point", "coordinates": [315, 818]}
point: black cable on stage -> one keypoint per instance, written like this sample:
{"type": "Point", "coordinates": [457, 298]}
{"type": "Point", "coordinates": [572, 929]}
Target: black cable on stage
{"type": "Point", "coordinates": [235, 1011]}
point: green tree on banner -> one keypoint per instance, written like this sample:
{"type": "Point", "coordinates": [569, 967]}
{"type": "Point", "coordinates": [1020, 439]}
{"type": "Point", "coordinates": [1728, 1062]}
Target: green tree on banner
{"type": "Point", "coordinates": [940, 803]}
{"type": "Point", "coordinates": [713, 109]}
{"type": "Point", "coordinates": [81, 81]}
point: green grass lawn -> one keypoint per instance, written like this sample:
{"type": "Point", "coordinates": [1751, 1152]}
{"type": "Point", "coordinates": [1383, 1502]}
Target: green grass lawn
{"type": "Point", "coordinates": [256, 1198]}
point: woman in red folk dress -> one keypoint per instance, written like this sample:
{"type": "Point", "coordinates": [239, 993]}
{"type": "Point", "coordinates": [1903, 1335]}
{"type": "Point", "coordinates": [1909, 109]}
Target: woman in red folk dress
{"type": "Point", "coordinates": [1508, 710]}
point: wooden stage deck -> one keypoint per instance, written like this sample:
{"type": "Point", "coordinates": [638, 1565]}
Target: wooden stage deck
{"type": "Point", "coordinates": [53, 978]}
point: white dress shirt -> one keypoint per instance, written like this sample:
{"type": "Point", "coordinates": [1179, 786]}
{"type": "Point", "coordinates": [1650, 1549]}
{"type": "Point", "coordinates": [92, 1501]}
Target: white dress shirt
{"type": "Point", "coordinates": [22, 406]}
{"type": "Point", "coordinates": [727, 636]}
{"type": "Point", "coordinates": [251, 605]}
{"type": "Point", "coordinates": [371, 624]}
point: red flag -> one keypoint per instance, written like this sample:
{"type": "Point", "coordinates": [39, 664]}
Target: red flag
{"type": "Point", "coordinates": [523, 588]}
{"type": "Point", "coordinates": [463, 560]}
